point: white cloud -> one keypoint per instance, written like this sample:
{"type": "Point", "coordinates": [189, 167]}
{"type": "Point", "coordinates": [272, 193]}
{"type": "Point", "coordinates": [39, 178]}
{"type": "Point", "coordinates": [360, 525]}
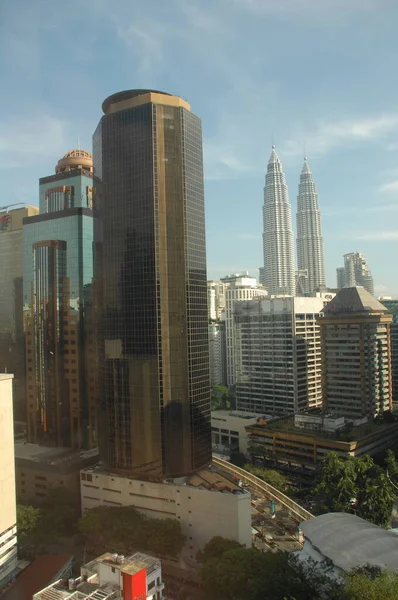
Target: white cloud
{"type": "Point", "coordinates": [378, 236]}
{"type": "Point", "coordinates": [329, 135]}
{"type": "Point", "coordinates": [143, 43]}
{"type": "Point", "coordinates": [392, 186]}
{"type": "Point", "coordinates": [27, 141]}
{"type": "Point", "coordinates": [222, 161]}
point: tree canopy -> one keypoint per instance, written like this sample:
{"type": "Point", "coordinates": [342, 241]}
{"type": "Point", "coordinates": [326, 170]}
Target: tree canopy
{"type": "Point", "coordinates": [220, 398]}
{"type": "Point", "coordinates": [232, 572]}
{"type": "Point", "coordinates": [274, 478]}
{"type": "Point", "coordinates": [125, 528]}
{"type": "Point", "coordinates": [355, 485]}
{"type": "Point", "coordinates": [27, 520]}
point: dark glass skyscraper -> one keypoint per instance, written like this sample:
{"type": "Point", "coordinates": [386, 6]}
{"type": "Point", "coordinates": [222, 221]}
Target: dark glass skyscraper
{"type": "Point", "coordinates": [150, 287]}
{"type": "Point", "coordinates": [57, 279]}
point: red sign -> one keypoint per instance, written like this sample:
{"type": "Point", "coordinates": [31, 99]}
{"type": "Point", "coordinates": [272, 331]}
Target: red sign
{"type": "Point", "coordinates": [4, 222]}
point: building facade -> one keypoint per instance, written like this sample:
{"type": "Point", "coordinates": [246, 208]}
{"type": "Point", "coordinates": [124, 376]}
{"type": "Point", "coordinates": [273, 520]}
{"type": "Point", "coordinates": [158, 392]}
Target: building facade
{"type": "Point", "coordinates": [12, 353]}
{"type": "Point", "coordinates": [279, 271]}
{"type": "Point", "coordinates": [57, 279]}
{"type": "Point", "coordinates": [356, 355]}
{"type": "Point", "coordinates": [239, 288]}
{"type": "Point", "coordinates": [278, 355]}
{"type": "Point", "coordinates": [216, 299]}
{"type": "Point", "coordinates": [217, 353]}
{"type": "Point", "coordinates": [392, 307]}
{"type": "Point", "coordinates": [206, 504]}
{"type": "Point", "coordinates": [356, 271]}
{"type": "Point", "coordinates": [310, 252]}
{"type": "Point", "coordinates": [8, 508]}
{"type": "Point", "coordinates": [150, 280]}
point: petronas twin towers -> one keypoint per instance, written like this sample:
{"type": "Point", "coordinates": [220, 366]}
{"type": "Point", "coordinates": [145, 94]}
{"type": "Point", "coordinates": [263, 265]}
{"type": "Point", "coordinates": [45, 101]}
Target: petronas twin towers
{"type": "Point", "coordinates": [278, 240]}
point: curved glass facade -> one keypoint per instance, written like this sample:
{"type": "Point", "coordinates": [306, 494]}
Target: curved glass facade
{"type": "Point", "coordinates": [151, 292]}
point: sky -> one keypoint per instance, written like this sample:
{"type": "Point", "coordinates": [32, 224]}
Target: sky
{"type": "Point", "coordinates": [319, 75]}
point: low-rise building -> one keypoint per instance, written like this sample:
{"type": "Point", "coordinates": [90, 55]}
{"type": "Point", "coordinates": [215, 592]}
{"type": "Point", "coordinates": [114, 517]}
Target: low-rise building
{"type": "Point", "coordinates": [229, 430]}
{"type": "Point", "coordinates": [39, 468]}
{"type": "Point", "coordinates": [348, 542]}
{"type": "Point", "coordinates": [111, 577]}
{"type": "Point", "coordinates": [206, 504]}
{"type": "Point", "coordinates": [297, 443]}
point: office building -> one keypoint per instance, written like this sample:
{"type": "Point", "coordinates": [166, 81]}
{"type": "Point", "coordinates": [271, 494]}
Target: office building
{"type": "Point", "coordinates": [356, 355]}
{"type": "Point", "coordinates": [279, 272]}
{"type": "Point", "coordinates": [355, 272]}
{"type": "Point", "coordinates": [57, 279]}
{"type": "Point", "coordinates": [111, 576]}
{"type": "Point", "coordinates": [278, 355]}
{"type": "Point", "coordinates": [392, 307]}
{"type": "Point", "coordinates": [239, 288]}
{"type": "Point", "coordinates": [310, 253]}
{"type": "Point", "coordinates": [8, 508]}
{"type": "Point", "coordinates": [12, 353]}
{"type": "Point", "coordinates": [150, 275]}
{"type": "Point", "coordinates": [216, 299]}
{"type": "Point", "coordinates": [228, 431]}
{"type": "Point", "coordinates": [217, 353]}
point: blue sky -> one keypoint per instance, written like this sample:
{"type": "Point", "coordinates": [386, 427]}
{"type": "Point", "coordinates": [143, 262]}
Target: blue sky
{"type": "Point", "coordinates": [319, 72]}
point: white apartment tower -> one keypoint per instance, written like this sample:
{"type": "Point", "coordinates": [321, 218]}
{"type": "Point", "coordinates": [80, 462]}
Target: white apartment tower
{"type": "Point", "coordinates": [239, 288]}
{"type": "Point", "coordinates": [278, 355]}
{"type": "Point", "coordinates": [279, 272]}
{"type": "Point", "coordinates": [310, 253]}
{"type": "Point", "coordinates": [8, 511]}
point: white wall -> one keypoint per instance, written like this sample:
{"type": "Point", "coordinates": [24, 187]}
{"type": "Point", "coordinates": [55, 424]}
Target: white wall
{"type": "Point", "coordinates": [8, 515]}
{"type": "Point", "coordinates": [203, 514]}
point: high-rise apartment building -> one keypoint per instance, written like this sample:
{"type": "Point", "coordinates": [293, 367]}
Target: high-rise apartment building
{"type": "Point", "coordinates": [279, 272]}
{"type": "Point", "coordinates": [356, 355]}
{"type": "Point", "coordinates": [356, 271]}
{"type": "Point", "coordinates": [392, 307]}
{"type": "Point", "coordinates": [239, 288]}
{"type": "Point", "coordinates": [278, 355]}
{"type": "Point", "coordinates": [150, 275]}
{"type": "Point", "coordinates": [12, 353]}
{"type": "Point", "coordinates": [340, 277]}
{"type": "Point", "coordinates": [310, 253]}
{"type": "Point", "coordinates": [57, 279]}
{"type": "Point", "coordinates": [8, 510]}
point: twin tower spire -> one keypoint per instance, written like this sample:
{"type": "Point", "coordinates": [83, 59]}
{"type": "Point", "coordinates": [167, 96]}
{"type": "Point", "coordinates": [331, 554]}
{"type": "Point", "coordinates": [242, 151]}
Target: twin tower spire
{"type": "Point", "coordinates": [279, 276]}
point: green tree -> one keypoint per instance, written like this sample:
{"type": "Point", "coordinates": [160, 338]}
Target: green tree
{"type": "Point", "coordinates": [27, 520]}
{"type": "Point", "coordinates": [216, 547]}
{"type": "Point", "coordinates": [220, 398]}
{"type": "Point", "coordinates": [247, 574]}
{"type": "Point", "coordinates": [274, 478]}
{"type": "Point", "coordinates": [124, 528]}
{"type": "Point", "coordinates": [359, 586]}
{"type": "Point", "coordinates": [355, 484]}
{"type": "Point", "coordinates": [238, 459]}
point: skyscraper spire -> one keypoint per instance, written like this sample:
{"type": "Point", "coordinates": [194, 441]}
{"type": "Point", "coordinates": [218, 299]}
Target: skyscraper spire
{"type": "Point", "coordinates": [310, 254]}
{"type": "Point", "coordinates": [279, 275]}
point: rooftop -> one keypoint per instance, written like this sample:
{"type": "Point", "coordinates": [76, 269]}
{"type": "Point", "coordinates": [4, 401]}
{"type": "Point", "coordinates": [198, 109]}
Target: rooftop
{"type": "Point", "coordinates": [37, 576]}
{"type": "Point", "coordinates": [350, 434]}
{"type": "Point", "coordinates": [350, 541]}
{"type": "Point", "coordinates": [60, 459]}
{"type": "Point", "coordinates": [127, 564]}
{"type": "Point", "coordinates": [354, 300]}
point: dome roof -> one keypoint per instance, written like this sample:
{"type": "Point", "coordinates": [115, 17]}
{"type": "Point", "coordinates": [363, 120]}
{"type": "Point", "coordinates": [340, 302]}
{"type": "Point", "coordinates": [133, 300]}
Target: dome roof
{"type": "Point", "coordinates": [75, 159]}
{"type": "Point", "coordinates": [76, 153]}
